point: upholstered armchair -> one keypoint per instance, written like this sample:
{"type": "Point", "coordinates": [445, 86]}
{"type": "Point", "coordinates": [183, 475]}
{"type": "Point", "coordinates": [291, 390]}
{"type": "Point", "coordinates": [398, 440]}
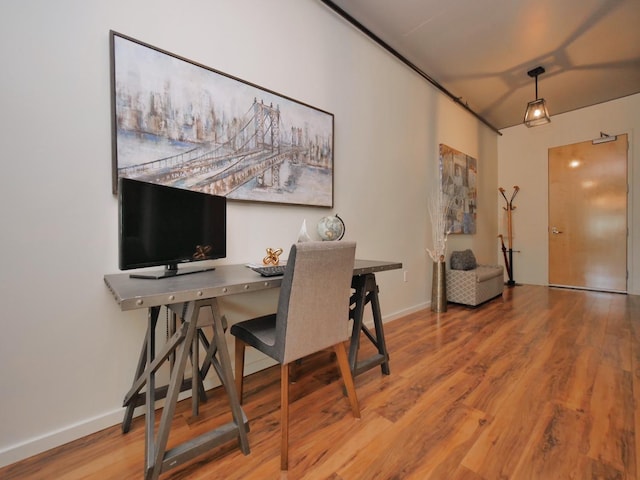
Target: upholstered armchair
{"type": "Point", "coordinates": [470, 283]}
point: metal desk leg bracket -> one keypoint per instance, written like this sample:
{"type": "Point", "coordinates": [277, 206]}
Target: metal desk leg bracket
{"type": "Point", "coordinates": [157, 458]}
{"type": "Point", "coordinates": [134, 398]}
{"type": "Point", "coordinates": [366, 291]}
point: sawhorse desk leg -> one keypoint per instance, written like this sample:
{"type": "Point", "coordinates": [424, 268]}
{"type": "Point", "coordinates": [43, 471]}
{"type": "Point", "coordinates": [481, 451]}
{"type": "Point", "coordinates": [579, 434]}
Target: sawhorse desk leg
{"type": "Point", "coordinates": [182, 343]}
{"type": "Point", "coordinates": [366, 291]}
{"type": "Point", "coordinates": [134, 398]}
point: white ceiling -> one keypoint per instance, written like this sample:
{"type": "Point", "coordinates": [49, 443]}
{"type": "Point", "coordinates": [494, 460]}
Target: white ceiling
{"type": "Point", "coordinates": [479, 51]}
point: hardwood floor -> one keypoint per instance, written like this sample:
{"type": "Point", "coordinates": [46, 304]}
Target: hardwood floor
{"type": "Point", "coordinates": [541, 384]}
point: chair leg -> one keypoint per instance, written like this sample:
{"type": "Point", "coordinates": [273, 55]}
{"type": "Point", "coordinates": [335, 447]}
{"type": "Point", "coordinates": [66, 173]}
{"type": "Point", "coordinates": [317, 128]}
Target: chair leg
{"type": "Point", "coordinates": [347, 378]}
{"type": "Point", "coordinates": [293, 370]}
{"type": "Point", "coordinates": [284, 416]}
{"type": "Point", "coordinates": [239, 358]}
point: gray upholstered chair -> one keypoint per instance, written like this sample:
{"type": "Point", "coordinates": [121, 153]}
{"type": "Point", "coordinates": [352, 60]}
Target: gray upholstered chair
{"type": "Point", "coordinates": [312, 315]}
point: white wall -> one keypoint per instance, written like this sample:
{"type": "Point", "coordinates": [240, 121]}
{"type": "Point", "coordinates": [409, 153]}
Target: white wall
{"type": "Point", "coordinates": [67, 352]}
{"type": "Point", "coordinates": [523, 161]}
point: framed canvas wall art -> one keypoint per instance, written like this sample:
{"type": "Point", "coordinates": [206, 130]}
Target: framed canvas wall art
{"type": "Point", "coordinates": [459, 180]}
{"type": "Point", "coordinates": [179, 123]}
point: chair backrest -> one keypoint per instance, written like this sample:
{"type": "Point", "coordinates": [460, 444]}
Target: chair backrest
{"type": "Point", "coordinates": [313, 307]}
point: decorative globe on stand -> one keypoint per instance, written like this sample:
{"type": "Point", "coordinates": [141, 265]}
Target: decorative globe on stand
{"type": "Point", "coordinates": [331, 228]}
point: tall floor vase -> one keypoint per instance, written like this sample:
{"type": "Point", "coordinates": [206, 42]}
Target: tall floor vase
{"type": "Point", "coordinates": [439, 287]}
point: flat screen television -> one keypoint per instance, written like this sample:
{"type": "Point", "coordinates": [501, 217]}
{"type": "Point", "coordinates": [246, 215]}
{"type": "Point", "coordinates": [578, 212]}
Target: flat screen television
{"type": "Point", "coordinates": [160, 225]}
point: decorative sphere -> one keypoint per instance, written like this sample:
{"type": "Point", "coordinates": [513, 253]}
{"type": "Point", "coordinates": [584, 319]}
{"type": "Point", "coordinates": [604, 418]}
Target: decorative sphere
{"type": "Point", "coordinates": [331, 228]}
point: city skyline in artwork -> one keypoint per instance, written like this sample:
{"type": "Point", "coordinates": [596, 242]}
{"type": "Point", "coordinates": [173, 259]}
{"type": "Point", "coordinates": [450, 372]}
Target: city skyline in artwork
{"type": "Point", "coordinates": [181, 124]}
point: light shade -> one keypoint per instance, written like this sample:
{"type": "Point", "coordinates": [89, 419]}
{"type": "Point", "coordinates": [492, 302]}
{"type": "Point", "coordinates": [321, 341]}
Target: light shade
{"type": "Point", "coordinates": [536, 113]}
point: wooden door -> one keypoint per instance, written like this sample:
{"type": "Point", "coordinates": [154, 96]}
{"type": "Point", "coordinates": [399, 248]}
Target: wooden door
{"type": "Point", "coordinates": [588, 215]}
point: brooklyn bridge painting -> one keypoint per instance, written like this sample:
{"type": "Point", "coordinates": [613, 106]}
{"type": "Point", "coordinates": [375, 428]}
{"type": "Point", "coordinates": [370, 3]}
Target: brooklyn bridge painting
{"type": "Point", "coordinates": [182, 124]}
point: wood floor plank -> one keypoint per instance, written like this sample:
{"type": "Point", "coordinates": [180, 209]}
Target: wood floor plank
{"type": "Point", "coordinates": [579, 376]}
{"type": "Point", "coordinates": [323, 464]}
{"type": "Point", "coordinates": [556, 446]}
{"type": "Point", "coordinates": [617, 346]}
{"type": "Point", "coordinates": [419, 441]}
{"type": "Point", "coordinates": [551, 350]}
{"type": "Point", "coordinates": [543, 383]}
{"type": "Point", "coordinates": [612, 419]}
{"type": "Point", "coordinates": [632, 313]}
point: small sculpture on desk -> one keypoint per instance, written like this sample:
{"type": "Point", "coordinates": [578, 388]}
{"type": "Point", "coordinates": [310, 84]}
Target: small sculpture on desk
{"type": "Point", "coordinates": [273, 256]}
{"type": "Point", "coordinates": [303, 235]}
{"type": "Point", "coordinates": [202, 252]}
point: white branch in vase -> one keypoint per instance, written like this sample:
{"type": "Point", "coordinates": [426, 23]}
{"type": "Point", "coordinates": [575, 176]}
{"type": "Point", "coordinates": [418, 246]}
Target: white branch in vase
{"type": "Point", "coordinates": [438, 207]}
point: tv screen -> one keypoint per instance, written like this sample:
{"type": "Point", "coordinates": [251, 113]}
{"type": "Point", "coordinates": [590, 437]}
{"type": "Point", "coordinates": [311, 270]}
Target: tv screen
{"type": "Point", "coordinates": [160, 225]}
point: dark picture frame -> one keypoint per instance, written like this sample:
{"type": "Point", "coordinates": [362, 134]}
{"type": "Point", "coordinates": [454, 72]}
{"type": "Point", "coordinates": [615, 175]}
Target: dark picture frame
{"type": "Point", "coordinates": [179, 123]}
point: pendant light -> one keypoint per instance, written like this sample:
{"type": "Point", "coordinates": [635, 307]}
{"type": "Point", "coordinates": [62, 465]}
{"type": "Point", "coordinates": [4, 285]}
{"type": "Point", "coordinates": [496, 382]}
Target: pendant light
{"type": "Point", "coordinates": [536, 113]}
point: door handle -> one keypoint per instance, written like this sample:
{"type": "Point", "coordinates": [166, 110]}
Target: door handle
{"type": "Point", "coordinates": [555, 230]}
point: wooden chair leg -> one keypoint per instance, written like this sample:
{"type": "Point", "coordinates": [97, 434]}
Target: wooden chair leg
{"type": "Point", "coordinates": [284, 416]}
{"type": "Point", "coordinates": [239, 359]}
{"type": "Point", "coordinates": [347, 378]}
{"type": "Point", "coordinates": [293, 370]}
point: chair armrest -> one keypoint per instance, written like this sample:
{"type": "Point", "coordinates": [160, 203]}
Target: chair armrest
{"type": "Point", "coordinates": [486, 272]}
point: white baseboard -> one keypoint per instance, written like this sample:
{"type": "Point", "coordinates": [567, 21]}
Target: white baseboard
{"type": "Point", "coordinates": [56, 438]}
{"type": "Point", "coordinates": [33, 446]}
{"type": "Point", "coordinates": [405, 312]}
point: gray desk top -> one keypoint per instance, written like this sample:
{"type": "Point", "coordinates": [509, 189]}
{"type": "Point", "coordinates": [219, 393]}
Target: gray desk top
{"type": "Point", "coordinates": [132, 293]}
